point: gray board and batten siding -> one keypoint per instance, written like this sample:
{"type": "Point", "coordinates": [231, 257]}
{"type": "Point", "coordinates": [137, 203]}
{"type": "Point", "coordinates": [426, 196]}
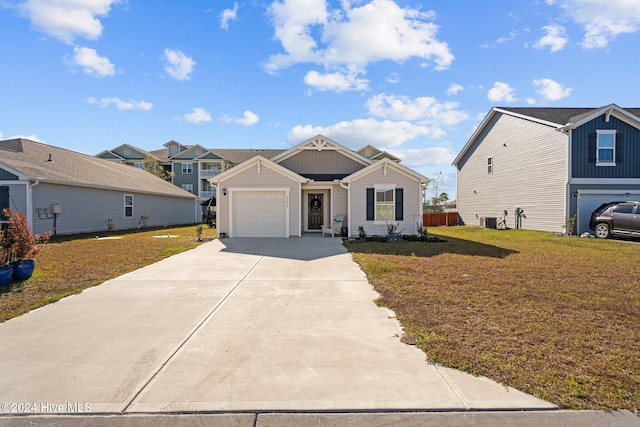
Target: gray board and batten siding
{"type": "Point", "coordinates": [326, 163]}
{"type": "Point", "coordinates": [529, 170]}
{"type": "Point", "coordinates": [627, 150]}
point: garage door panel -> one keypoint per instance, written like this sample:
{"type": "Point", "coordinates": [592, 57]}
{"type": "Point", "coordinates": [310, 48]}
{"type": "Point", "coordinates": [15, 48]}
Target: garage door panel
{"type": "Point", "coordinates": [259, 214]}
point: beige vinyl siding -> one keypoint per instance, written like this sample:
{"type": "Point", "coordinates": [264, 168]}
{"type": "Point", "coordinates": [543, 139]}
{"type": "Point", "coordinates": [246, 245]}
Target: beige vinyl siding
{"type": "Point", "coordinates": [86, 209]}
{"type": "Point", "coordinates": [254, 178]}
{"type": "Point", "coordinates": [412, 202]}
{"type": "Point", "coordinates": [321, 162]}
{"type": "Point", "coordinates": [529, 170]}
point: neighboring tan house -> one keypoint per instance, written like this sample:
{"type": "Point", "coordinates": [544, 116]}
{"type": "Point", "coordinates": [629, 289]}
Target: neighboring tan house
{"type": "Point", "coordinates": [310, 186]}
{"type": "Point", "coordinates": [68, 192]}
{"type": "Point", "coordinates": [552, 163]}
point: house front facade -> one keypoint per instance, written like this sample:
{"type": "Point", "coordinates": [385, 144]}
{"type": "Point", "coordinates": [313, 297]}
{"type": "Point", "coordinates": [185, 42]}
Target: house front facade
{"type": "Point", "coordinates": [548, 164]}
{"type": "Point", "coordinates": [314, 185]}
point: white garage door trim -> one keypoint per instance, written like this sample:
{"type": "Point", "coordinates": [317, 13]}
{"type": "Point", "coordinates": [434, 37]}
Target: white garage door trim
{"type": "Point", "coordinates": [589, 200]}
{"type": "Point", "coordinates": [259, 212]}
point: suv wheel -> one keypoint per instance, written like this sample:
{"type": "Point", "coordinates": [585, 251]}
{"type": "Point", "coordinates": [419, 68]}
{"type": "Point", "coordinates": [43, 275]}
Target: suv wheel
{"type": "Point", "coordinates": [602, 230]}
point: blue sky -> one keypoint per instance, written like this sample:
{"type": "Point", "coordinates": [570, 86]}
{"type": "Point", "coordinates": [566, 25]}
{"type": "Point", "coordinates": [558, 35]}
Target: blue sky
{"type": "Point", "coordinates": [411, 77]}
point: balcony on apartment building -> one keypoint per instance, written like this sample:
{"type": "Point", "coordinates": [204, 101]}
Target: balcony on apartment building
{"type": "Point", "coordinates": [209, 171]}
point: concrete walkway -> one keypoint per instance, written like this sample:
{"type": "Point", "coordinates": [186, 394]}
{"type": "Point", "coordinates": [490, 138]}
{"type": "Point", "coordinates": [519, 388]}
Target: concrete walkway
{"type": "Point", "coordinates": [238, 326]}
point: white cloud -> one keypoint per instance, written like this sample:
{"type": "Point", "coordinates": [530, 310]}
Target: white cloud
{"type": "Point", "coordinates": [501, 92]}
{"type": "Point", "coordinates": [393, 78]}
{"type": "Point", "coordinates": [228, 15]}
{"type": "Point", "coordinates": [337, 82]}
{"type": "Point", "coordinates": [67, 19]}
{"type": "Point", "coordinates": [424, 110]}
{"type": "Point", "coordinates": [602, 20]}
{"type": "Point", "coordinates": [358, 133]}
{"type": "Point", "coordinates": [551, 90]}
{"type": "Point", "coordinates": [555, 38]}
{"type": "Point", "coordinates": [454, 89]}
{"type": "Point", "coordinates": [430, 156]}
{"type": "Point", "coordinates": [249, 118]}
{"type": "Point", "coordinates": [120, 104]}
{"type": "Point", "coordinates": [179, 66]}
{"type": "Point", "coordinates": [350, 38]}
{"type": "Point", "coordinates": [91, 63]}
{"type": "Point", "coordinates": [31, 137]}
{"type": "Point", "coordinates": [512, 35]}
{"type": "Point", "coordinates": [198, 115]}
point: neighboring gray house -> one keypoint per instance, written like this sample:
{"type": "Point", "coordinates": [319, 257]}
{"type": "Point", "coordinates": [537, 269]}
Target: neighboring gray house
{"type": "Point", "coordinates": [77, 193]}
{"type": "Point", "coordinates": [552, 163]}
{"type": "Point", "coordinates": [317, 186]}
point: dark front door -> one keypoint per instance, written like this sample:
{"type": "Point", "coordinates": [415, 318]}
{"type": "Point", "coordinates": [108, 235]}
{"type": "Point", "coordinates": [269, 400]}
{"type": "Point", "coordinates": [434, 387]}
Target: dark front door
{"type": "Point", "coordinates": [315, 211]}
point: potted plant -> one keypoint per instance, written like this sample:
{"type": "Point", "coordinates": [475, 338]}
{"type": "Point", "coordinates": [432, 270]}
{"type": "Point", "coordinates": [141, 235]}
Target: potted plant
{"type": "Point", "coordinates": [22, 244]}
{"type": "Point", "coordinates": [6, 270]}
{"type": "Point", "coordinates": [393, 234]}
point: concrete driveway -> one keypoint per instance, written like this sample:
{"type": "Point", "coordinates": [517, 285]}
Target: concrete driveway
{"type": "Point", "coordinates": [233, 325]}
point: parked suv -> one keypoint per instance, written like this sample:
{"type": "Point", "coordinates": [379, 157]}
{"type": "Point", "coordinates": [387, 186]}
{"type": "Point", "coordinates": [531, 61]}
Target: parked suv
{"type": "Point", "coordinates": [616, 218]}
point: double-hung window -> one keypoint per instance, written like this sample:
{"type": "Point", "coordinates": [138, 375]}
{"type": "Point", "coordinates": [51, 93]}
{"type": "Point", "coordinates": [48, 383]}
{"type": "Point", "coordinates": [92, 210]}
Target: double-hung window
{"type": "Point", "coordinates": [187, 168]}
{"type": "Point", "coordinates": [188, 187]}
{"type": "Point", "coordinates": [606, 148]}
{"type": "Point", "coordinates": [489, 165]}
{"type": "Point", "coordinates": [384, 204]}
{"type": "Point", "coordinates": [128, 205]}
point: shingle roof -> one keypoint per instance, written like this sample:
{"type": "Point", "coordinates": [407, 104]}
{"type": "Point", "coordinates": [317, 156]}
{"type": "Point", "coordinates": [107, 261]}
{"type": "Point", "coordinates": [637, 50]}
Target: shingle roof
{"type": "Point", "coordinates": [237, 156]}
{"type": "Point", "coordinates": [561, 116]}
{"type": "Point", "coordinates": [67, 167]}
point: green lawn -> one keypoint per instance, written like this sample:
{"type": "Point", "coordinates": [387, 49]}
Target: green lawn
{"type": "Point", "coordinates": [554, 316]}
{"type": "Point", "coordinates": [67, 265]}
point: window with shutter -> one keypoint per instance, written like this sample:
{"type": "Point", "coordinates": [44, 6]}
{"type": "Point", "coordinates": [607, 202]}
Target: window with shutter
{"type": "Point", "coordinates": [605, 148]}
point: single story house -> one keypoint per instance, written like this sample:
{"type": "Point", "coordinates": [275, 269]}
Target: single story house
{"type": "Point", "coordinates": [68, 192]}
{"type": "Point", "coordinates": [549, 164]}
{"type": "Point", "coordinates": [315, 186]}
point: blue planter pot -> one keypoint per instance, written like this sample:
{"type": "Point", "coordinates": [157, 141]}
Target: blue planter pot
{"type": "Point", "coordinates": [22, 270]}
{"type": "Point", "coordinates": [6, 272]}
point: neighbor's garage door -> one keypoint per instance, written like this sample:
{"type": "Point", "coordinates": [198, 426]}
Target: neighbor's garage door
{"type": "Point", "coordinates": [587, 203]}
{"type": "Point", "coordinates": [259, 214]}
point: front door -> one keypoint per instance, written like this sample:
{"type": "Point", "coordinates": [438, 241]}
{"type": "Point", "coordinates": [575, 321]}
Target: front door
{"type": "Point", "coordinates": [315, 208]}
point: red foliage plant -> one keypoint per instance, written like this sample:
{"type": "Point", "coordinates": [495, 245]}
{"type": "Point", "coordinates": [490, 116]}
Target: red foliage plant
{"type": "Point", "coordinates": [18, 240]}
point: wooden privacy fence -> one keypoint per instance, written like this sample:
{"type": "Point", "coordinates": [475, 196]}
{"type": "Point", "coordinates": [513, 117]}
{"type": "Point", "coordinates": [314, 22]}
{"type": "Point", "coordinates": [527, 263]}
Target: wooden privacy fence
{"type": "Point", "coordinates": [444, 218]}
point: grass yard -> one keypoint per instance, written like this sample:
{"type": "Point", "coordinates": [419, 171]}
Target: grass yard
{"type": "Point", "coordinates": [557, 317]}
{"type": "Point", "coordinates": [66, 266]}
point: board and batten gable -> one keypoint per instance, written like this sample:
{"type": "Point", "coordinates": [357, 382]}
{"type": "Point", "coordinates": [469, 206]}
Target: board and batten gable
{"type": "Point", "coordinates": [627, 150]}
{"type": "Point", "coordinates": [325, 162]}
{"type": "Point", "coordinates": [412, 201]}
{"type": "Point", "coordinates": [528, 169]}
{"type": "Point", "coordinates": [258, 176]}
{"type": "Point", "coordinates": [105, 204]}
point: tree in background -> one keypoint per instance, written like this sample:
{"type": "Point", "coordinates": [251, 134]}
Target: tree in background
{"type": "Point", "coordinates": [154, 167]}
{"type": "Point", "coordinates": [435, 203]}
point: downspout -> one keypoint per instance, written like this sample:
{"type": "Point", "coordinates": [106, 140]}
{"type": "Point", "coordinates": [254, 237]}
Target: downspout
{"type": "Point", "coordinates": [30, 202]}
{"type": "Point", "coordinates": [567, 130]}
{"type": "Point", "coordinates": [346, 187]}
